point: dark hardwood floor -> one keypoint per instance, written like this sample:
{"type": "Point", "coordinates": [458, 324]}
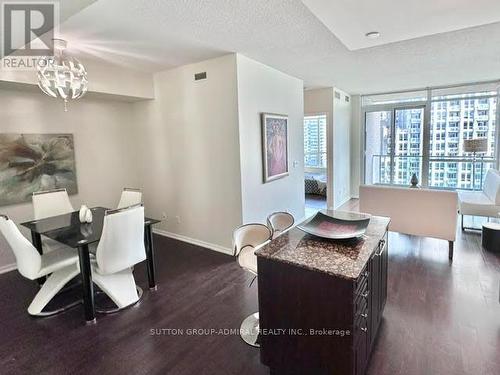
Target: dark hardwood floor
{"type": "Point", "coordinates": [440, 318]}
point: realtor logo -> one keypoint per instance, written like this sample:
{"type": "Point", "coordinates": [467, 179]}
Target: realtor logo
{"type": "Point", "coordinates": [28, 33]}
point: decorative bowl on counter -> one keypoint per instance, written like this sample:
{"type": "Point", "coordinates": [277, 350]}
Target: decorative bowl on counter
{"type": "Point", "coordinates": [336, 225]}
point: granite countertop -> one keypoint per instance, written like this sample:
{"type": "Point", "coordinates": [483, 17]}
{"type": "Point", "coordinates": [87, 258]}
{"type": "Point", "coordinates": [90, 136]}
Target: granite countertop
{"type": "Point", "coordinates": [342, 258]}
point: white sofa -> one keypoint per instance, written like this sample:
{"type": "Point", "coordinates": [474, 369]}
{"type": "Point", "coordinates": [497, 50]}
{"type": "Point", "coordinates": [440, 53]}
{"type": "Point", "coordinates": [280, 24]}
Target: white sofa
{"type": "Point", "coordinates": [420, 212]}
{"type": "Point", "coordinates": [482, 203]}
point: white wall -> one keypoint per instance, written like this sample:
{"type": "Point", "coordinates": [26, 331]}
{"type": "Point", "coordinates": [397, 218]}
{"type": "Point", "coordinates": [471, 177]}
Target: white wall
{"type": "Point", "coordinates": [356, 145]}
{"type": "Point", "coordinates": [188, 139]}
{"type": "Point", "coordinates": [183, 148]}
{"type": "Point", "coordinates": [103, 143]}
{"type": "Point", "coordinates": [321, 101]}
{"type": "Point", "coordinates": [264, 89]}
{"type": "Point", "coordinates": [104, 78]}
{"type": "Point", "coordinates": [341, 148]}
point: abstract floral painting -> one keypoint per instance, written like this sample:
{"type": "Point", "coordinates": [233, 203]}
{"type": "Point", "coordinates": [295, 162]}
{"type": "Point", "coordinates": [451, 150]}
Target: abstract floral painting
{"type": "Point", "coordinates": [35, 162]}
{"type": "Point", "coordinates": [275, 145]}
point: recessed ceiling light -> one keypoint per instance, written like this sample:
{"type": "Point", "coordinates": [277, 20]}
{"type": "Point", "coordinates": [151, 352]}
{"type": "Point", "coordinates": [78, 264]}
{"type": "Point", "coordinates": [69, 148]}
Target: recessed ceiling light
{"type": "Point", "coordinates": [372, 34]}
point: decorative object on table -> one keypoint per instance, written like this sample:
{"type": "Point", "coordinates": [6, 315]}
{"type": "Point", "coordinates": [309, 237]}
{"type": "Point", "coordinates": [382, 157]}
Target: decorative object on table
{"type": "Point", "coordinates": [336, 225]}
{"type": "Point", "coordinates": [85, 214]}
{"type": "Point", "coordinates": [62, 76]}
{"type": "Point", "coordinates": [414, 181]}
{"type": "Point", "coordinates": [35, 162]}
{"type": "Point", "coordinates": [275, 146]}
{"type": "Point", "coordinates": [475, 146]}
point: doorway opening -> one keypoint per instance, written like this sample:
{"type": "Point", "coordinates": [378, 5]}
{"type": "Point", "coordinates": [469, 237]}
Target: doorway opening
{"type": "Point", "coordinates": [315, 162]}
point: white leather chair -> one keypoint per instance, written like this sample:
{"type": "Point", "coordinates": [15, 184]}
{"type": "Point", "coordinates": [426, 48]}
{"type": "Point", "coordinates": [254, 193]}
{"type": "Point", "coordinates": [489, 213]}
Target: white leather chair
{"type": "Point", "coordinates": [130, 197]}
{"type": "Point", "coordinates": [246, 239]}
{"type": "Point", "coordinates": [61, 264]}
{"type": "Point", "coordinates": [484, 203]}
{"type": "Point", "coordinates": [121, 247]}
{"type": "Point", "coordinates": [49, 203]}
{"type": "Point", "coordinates": [279, 222]}
{"type": "Point", "coordinates": [418, 212]}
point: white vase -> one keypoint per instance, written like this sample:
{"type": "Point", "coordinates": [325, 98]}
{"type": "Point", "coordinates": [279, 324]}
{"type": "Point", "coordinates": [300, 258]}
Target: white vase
{"type": "Point", "coordinates": [83, 213]}
{"type": "Point", "coordinates": [88, 216]}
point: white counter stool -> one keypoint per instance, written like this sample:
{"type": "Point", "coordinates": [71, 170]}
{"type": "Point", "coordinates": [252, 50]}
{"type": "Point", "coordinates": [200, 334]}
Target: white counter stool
{"type": "Point", "coordinates": [279, 222]}
{"type": "Point", "coordinates": [246, 239]}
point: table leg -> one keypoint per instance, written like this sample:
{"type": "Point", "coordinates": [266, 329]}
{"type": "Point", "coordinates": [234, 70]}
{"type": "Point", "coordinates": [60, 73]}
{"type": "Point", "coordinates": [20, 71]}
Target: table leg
{"type": "Point", "coordinates": [88, 289]}
{"type": "Point", "coordinates": [36, 240]}
{"type": "Point", "coordinates": [148, 243]}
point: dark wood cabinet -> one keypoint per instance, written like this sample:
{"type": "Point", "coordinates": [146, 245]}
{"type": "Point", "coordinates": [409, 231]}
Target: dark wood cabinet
{"type": "Point", "coordinates": [304, 304]}
{"type": "Point", "coordinates": [366, 326]}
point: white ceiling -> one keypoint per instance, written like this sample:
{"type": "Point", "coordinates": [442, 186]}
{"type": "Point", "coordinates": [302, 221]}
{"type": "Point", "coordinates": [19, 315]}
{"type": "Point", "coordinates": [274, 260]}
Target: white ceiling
{"type": "Point", "coordinates": [67, 8]}
{"type": "Point", "coordinates": [155, 35]}
{"type": "Point", "coordinates": [399, 20]}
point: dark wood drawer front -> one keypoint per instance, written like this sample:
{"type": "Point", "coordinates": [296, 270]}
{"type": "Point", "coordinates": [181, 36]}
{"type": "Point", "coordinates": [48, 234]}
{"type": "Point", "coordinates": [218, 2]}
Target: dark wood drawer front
{"type": "Point", "coordinates": [369, 301]}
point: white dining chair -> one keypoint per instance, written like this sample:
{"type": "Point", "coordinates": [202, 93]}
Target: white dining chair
{"type": "Point", "coordinates": [49, 203]}
{"type": "Point", "coordinates": [246, 239]}
{"type": "Point", "coordinates": [61, 264]}
{"type": "Point", "coordinates": [121, 247]}
{"type": "Point", "coordinates": [279, 222]}
{"type": "Point", "coordinates": [130, 197]}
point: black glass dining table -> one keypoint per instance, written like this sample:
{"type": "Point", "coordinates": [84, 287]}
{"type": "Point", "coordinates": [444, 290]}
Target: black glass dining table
{"type": "Point", "coordinates": [68, 230]}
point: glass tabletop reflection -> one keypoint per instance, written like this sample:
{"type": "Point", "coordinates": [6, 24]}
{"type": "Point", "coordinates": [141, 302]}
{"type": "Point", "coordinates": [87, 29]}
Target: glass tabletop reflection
{"type": "Point", "coordinates": [68, 230]}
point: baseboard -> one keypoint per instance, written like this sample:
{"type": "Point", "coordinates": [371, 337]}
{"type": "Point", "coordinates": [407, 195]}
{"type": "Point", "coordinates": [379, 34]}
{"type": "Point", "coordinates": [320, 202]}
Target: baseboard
{"type": "Point", "coordinates": [193, 241]}
{"type": "Point", "coordinates": [8, 268]}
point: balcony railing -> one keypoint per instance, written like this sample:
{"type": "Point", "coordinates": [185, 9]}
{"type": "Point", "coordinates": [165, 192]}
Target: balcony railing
{"type": "Point", "coordinates": [445, 172]}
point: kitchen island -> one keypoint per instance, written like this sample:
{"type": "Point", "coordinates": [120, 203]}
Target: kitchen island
{"type": "Point", "coordinates": [321, 301]}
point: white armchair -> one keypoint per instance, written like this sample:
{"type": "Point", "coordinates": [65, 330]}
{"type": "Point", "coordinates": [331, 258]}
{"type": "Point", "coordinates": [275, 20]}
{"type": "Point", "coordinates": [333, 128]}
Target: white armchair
{"type": "Point", "coordinates": [484, 203]}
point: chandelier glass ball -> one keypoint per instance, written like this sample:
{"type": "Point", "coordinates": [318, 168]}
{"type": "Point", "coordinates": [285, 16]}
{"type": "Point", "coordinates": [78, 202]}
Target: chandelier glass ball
{"type": "Point", "coordinates": [62, 76]}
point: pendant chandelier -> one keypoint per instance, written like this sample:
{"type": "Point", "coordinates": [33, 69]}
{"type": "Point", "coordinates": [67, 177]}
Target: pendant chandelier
{"type": "Point", "coordinates": [62, 76]}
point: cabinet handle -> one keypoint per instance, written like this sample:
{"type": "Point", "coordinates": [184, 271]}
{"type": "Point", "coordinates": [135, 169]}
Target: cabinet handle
{"type": "Point", "coordinates": [382, 248]}
{"type": "Point", "coordinates": [364, 329]}
{"type": "Point", "coordinates": [364, 316]}
{"type": "Point", "coordinates": [365, 294]}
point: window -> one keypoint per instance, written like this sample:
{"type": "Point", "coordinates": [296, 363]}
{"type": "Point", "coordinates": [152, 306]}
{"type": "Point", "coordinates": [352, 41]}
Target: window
{"type": "Point", "coordinates": [449, 144]}
{"type": "Point", "coordinates": [395, 132]}
{"type": "Point", "coordinates": [315, 141]}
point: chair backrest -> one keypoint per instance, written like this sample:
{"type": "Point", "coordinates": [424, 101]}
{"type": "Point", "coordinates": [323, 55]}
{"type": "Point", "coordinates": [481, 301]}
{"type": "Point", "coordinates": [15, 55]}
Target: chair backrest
{"type": "Point", "coordinates": [491, 186]}
{"type": "Point", "coordinates": [420, 212]}
{"type": "Point", "coordinates": [130, 197]}
{"type": "Point", "coordinates": [51, 203]}
{"type": "Point", "coordinates": [279, 222]}
{"type": "Point", "coordinates": [122, 240]}
{"type": "Point", "coordinates": [251, 235]}
{"type": "Point", "coordinates": [28, 260]}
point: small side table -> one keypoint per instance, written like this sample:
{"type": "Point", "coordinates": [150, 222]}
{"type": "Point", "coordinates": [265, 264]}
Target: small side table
{"type": "Point", "coordinates": [491, 237]}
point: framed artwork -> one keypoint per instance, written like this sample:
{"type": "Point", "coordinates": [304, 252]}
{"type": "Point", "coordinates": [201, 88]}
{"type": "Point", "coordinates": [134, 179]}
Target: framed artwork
{"type": "Point", "coordinates": [275, 146]}
{"type": "Point", "coordinates": [35, 162]}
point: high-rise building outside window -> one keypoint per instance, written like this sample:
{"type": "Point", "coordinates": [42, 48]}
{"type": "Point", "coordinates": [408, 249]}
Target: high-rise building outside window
{"type": "Point", "coordinates": [315, 141]}
{"type": "Point", "coordinates": [396, 131]}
